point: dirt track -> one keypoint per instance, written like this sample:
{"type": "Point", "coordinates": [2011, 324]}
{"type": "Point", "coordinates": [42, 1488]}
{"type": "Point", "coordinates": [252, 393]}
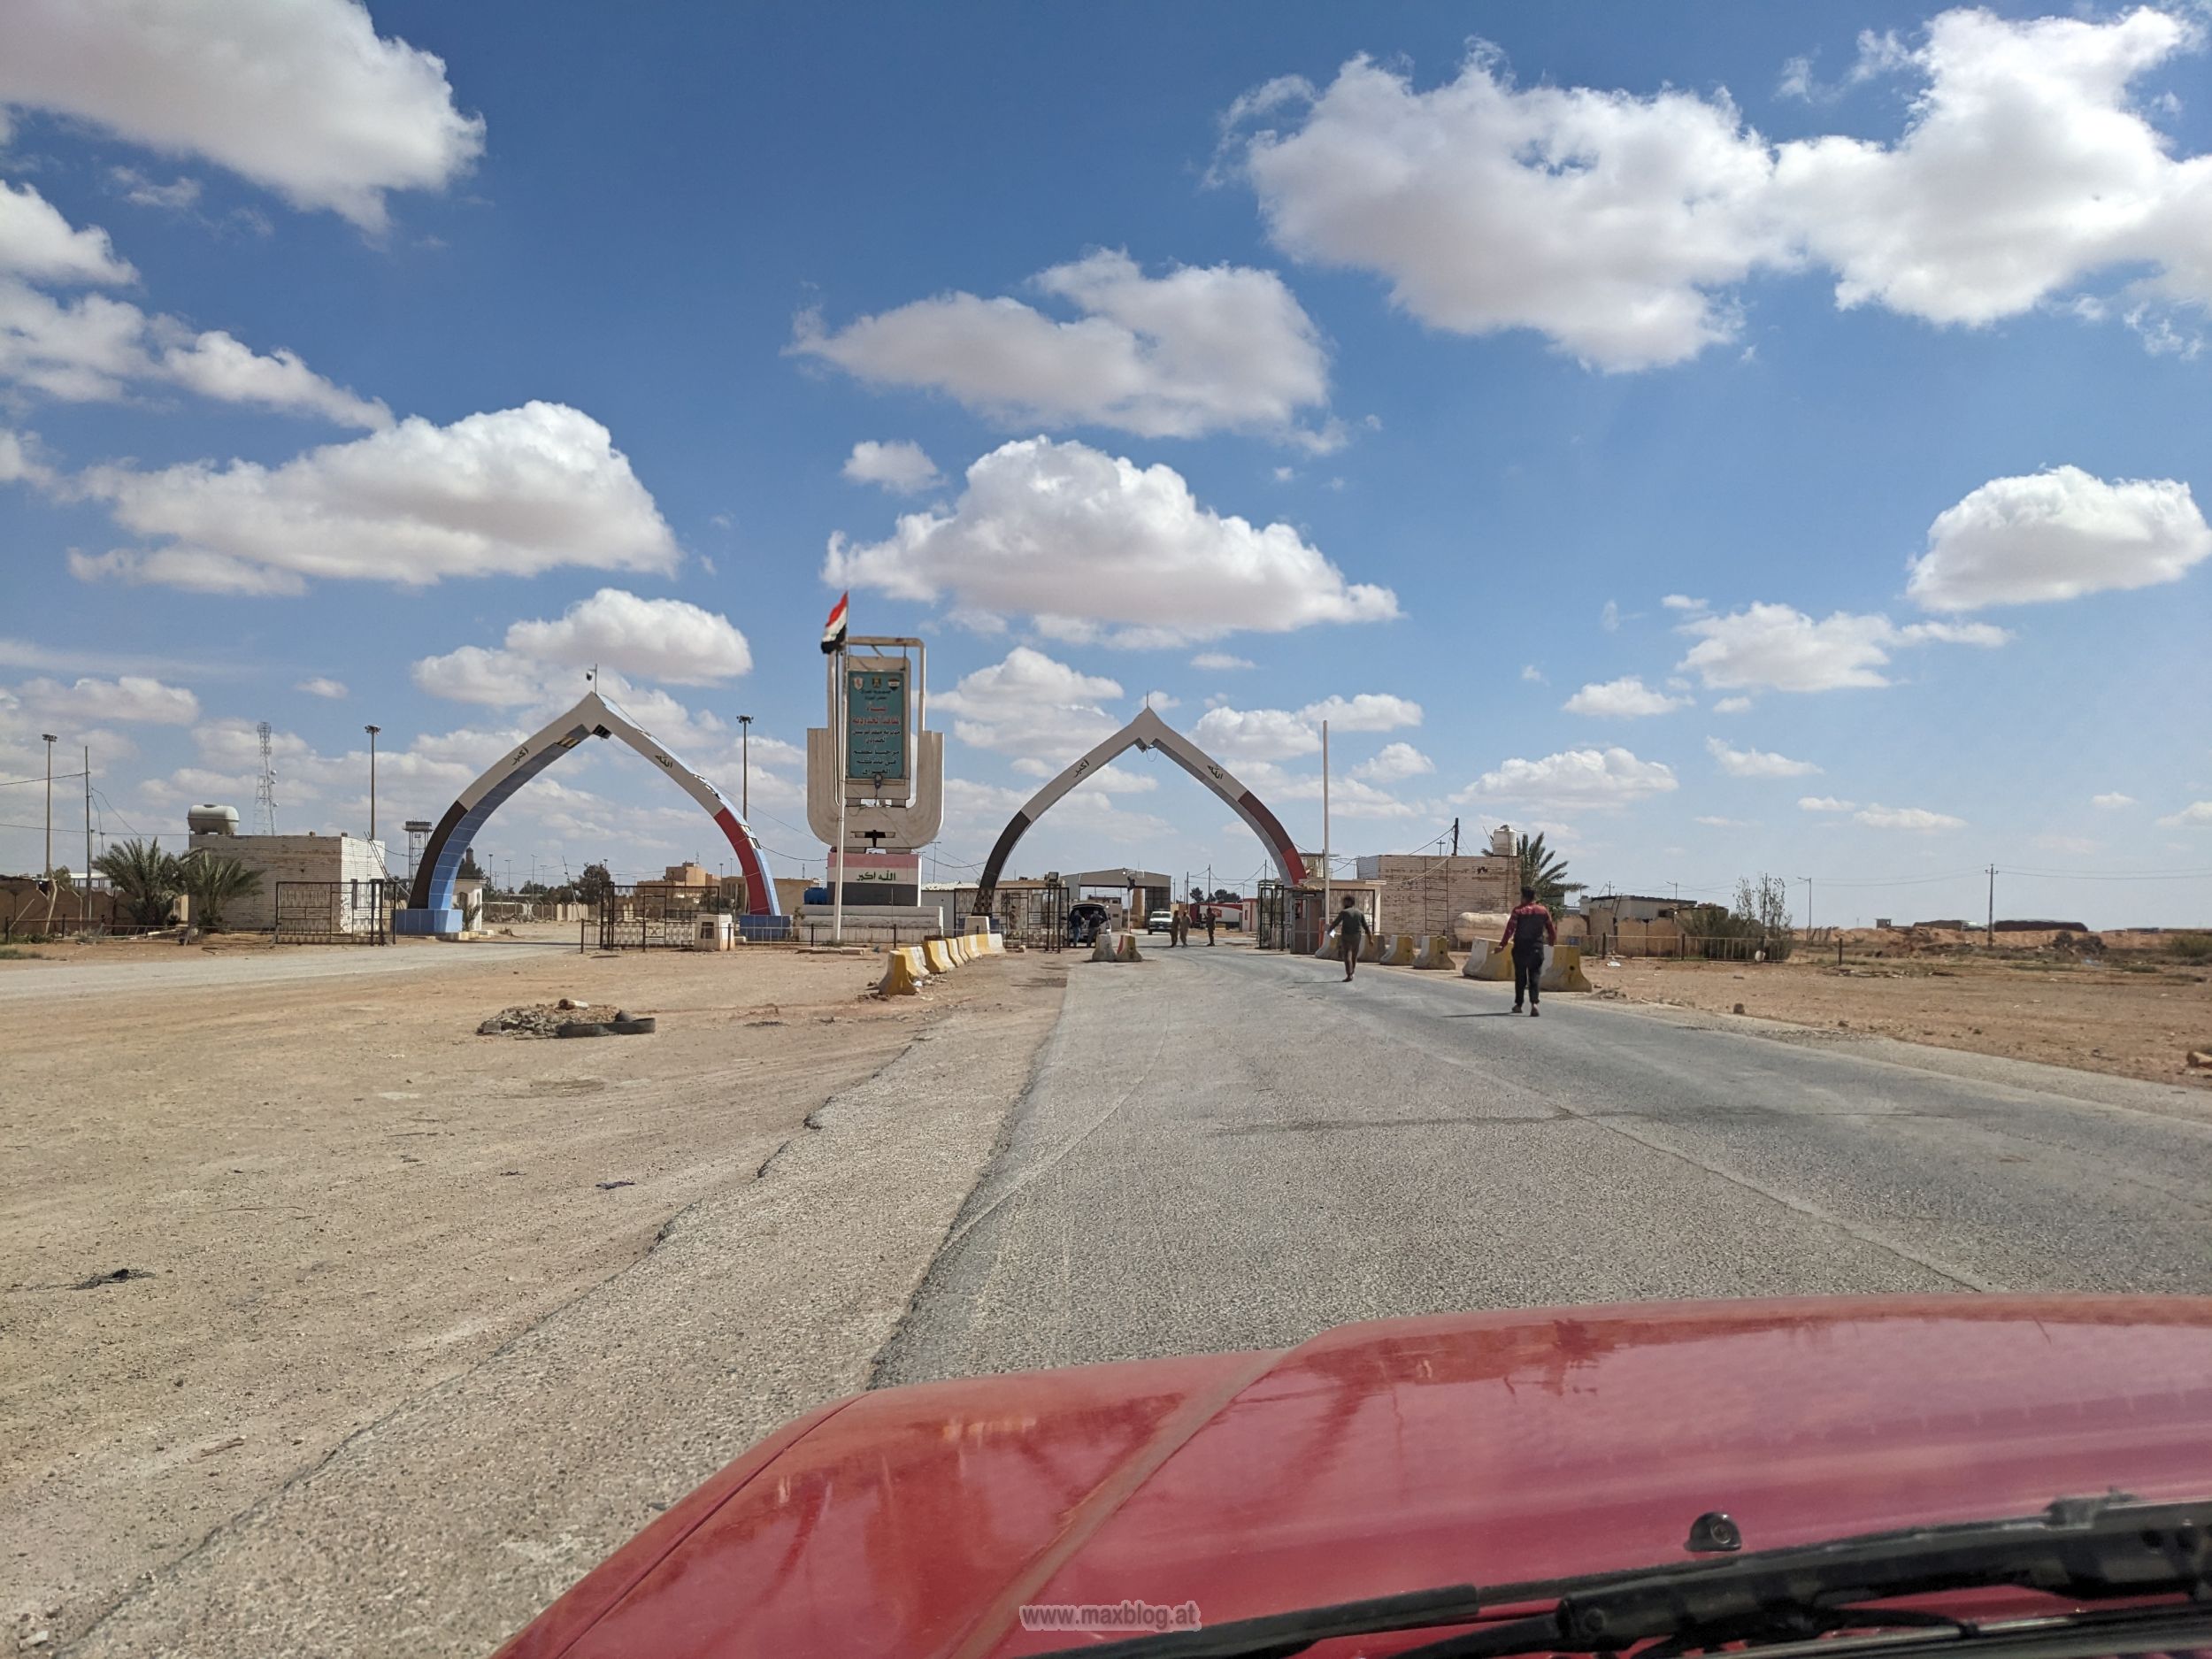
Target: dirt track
{"type": "Point", "coordinates": [339, 1197]}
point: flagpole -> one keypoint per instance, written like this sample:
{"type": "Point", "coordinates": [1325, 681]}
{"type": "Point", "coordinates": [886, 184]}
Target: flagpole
{"type": "Point", "coordinates": [837, 887]}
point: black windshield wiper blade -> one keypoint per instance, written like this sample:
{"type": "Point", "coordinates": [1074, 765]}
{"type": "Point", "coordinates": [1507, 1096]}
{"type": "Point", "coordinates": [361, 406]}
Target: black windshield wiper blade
{"type": "Point", "coordinates": [2082, 1547]}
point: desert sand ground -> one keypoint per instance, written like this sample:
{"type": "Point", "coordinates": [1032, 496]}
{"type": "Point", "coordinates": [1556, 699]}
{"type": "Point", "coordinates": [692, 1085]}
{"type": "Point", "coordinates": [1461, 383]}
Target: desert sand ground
{"type": "Point", "coordinates": [254, 1201]}
{"type": "Point", "coordinates": [2138, 1022]}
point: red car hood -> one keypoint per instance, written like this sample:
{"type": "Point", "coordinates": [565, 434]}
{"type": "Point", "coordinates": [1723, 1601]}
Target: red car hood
{"type": "Point", "coordinates": [1399, 1455]}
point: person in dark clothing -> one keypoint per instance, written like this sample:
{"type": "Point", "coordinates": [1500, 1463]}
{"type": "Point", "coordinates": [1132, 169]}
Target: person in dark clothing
{"type": "Point", "coordinates": [1209, 923]}
{"type": "Point", "coordinates": [1528, 930]}
{"type": "Point", "coordinates": [1351, 931]}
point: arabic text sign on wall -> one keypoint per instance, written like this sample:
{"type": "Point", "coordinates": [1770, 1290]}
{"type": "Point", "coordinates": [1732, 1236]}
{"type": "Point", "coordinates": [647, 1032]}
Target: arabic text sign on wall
{"type": "Point", "coordinates": [875, 724]}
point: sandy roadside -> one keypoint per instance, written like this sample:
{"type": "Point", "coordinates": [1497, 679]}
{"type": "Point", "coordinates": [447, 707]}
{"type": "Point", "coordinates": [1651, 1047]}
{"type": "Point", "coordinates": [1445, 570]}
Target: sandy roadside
{"type": "Point", "coordinates": [341, 1198]}
{"type": "Point", "coordinates": [2138, 1024]}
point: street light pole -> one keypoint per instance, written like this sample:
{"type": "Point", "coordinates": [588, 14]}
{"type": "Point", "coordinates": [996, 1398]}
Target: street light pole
{"type": "Point", "coordinates": [371, 731]}
{"type": "Point", "coordinates": [745, 767]}
{"type": "Point", "coordinates": [1808, 881]}
{"type": "Point", "coordinates": [51, 740]}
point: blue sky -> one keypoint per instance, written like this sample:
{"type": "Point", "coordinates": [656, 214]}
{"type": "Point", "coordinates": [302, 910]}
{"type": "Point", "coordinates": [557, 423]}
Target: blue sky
{"type": "Point", "coordinates": [1414, 357]}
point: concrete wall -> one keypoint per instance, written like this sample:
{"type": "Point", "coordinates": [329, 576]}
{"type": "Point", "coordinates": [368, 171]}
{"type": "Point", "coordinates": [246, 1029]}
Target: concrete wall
{"type": "Point", "coordinates": [1424, 895]}
{"type": "Point", "coordinates": [289, 858]}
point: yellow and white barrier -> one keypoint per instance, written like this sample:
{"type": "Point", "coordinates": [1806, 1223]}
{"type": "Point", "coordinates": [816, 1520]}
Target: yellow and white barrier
{"type": "Point", "coordinates": [1435, 951]}
{"type": "Point", "coordinates": [1129, 949]}
{"type": "Point", "coordinates": [1104, 949]}
{"type": "Point", "coordinates": [1562, 966]}
{"type": "Point", "coordinates": [1371, 949]}
{"type": "Point", "coordinates": [904, 971]}
{"type": "Point", "coordinates": [1328, 947]}
{"type": "Point", "coordinates": [1397, 951]}
{"type": "Point", "coordinates": [939, 955]}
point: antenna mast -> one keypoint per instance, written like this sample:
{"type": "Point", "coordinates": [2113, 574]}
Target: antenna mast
{"type": "Point", "coordinates": [265, 791]}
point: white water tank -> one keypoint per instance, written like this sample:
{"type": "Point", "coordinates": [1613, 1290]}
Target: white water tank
{"type": "Point", "coordinates": [212, 820]}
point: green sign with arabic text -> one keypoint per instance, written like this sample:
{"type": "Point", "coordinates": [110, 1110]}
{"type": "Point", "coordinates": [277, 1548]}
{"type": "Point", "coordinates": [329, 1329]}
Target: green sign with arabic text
{"type": "Point", "coordinates": [875, 725]}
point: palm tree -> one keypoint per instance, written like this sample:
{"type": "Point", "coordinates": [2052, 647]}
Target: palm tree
{"type": "Point", "coordinates": [145, 878]}
{"type": "Point", "coordinates": [1544, 871]}
{"type": "Point", "coordinates": [210, 882]}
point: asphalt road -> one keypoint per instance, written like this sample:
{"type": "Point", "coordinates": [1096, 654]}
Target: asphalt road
{"type": "Point", "coordinates": [1222, 1148]}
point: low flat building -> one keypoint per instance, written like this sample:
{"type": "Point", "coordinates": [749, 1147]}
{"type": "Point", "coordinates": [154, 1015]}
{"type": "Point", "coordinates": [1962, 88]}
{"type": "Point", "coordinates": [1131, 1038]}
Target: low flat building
{"type": "Point", "coordinates": [279, 860]}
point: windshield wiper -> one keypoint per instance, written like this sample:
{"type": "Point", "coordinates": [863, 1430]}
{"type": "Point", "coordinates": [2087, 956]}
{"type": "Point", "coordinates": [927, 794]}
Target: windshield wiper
{"type": "Point", "coordinates": [2085, 1549]}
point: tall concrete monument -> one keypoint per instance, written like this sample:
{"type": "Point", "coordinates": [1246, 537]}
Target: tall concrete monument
{"type": "Point", "coordinates": [875, 784]}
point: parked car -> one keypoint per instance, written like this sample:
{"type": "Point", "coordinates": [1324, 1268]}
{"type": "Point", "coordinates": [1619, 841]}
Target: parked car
{"type": "Point", "coordinates": [1084, 922]}
{"type": "Point", "coordinates": [2034, 1473]}
{"type": "Point", "coordinates": [1159, 922]}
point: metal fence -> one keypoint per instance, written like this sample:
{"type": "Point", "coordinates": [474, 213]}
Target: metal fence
{"type": "Point", "coordinates": [1689, 946]}
{"type": "Point", "coordinates": [1035, 918]}
{"type": "Point", "coordinates": [333, 912]}
{"type": "Point", "coordinates": [665, 918]}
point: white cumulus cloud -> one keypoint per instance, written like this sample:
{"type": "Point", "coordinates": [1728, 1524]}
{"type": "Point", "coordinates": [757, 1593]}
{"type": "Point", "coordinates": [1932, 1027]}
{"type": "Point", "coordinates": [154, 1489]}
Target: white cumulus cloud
{"type": "Point", "coordinates": [667, 640]}
{"type": "Point", "coordinates": [1623, 227]}
{"type": "Point", "coordinates": [1051, 528]}
{"type": "Point", "coordinates": [1238, 734]}
{"type": "Point", "coordinates": [1030, 703]}
{"type": "Point", "coordinates": [1368, 711]}
{"type": "Point", "coordinates": [1623, 699]}
{"type": "Point", "coordinates": [1916, 818]}
{"type": "Point", "coordinates": [1393, 761]}
{"type": "Point", "coordinates": [511, 492]}
{"type": "Point", "coordinates": [2056, 535]}
{"type": "Point", "coordinates": [128, 699]}
{"type": "Point", "coordinates": [2112, 803]}
{"type": "Point", "coordinates": [1199, 349]}
{"type": "Point", "coordinates": [1770, 647]}
{"type": "Point", "coordinates": [900, 465]}
{"type": "Point", "coordinates": [300, 95]}
{"type": "Point", "coordinates": [1609, 223]}
{"type": "Point", "coordinates": [1825, 803]}
{"type": "Point", "coordinates": [37, 242]}
{"type": "Point", "coordinates": [2195, 813]}
{"type": "Point", "coordinates": [323, 686]}
{"type": "Point", "coordinates": [1592, 779]}
{"type": "Point", "coordinates": [1221, 661]}
{"type": "Point", "coordinates": [1756, 762]}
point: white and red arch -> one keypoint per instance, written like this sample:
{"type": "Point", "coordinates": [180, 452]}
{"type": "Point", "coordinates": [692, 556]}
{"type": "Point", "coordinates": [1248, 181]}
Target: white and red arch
{"type": "Point", "coordinates": [430, 905]}
{"type": "Point", "coordinates": [1147, 731]}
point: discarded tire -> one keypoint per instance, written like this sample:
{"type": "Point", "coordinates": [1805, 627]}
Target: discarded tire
{"type": "Point", "coordinates": [643, 1025]}
{"type": "Point", "coordinates": [582, 1028]}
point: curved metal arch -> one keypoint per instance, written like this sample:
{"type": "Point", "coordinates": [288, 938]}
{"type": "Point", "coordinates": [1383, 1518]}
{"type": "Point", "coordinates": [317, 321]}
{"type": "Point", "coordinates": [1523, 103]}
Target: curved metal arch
{"type": "Point", "coordinates": [1147, 731]}
{"type": "Point", "coordinates": [593, 716]}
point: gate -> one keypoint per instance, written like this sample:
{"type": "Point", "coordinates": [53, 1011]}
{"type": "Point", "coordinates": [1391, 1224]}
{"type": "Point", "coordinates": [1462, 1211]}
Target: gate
{"type": "Point", "coordinates": [1273, 916]}
{"type": "Point", "coordinates": [1034, 917]}
{"type": "Point", "coordinates": [334, 913]}
{"type": "Point", "coordinates": [657, 918]}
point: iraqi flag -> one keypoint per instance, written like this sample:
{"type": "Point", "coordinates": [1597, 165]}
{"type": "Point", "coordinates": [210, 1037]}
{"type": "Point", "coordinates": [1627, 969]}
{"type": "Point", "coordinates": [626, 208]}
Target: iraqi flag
{"type": "Point", "coordinates": [833, 630]}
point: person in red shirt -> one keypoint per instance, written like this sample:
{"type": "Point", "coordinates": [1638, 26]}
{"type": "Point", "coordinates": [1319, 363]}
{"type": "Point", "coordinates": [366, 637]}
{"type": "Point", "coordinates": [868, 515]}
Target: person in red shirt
{"type": "Point", "coordinates": [1528, 930]}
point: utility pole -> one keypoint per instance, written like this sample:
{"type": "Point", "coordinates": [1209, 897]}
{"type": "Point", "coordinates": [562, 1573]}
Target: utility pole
{"type": "Point", "coordinates": [51, 740]}
{"type": "Point", "coordinates": [84, 887]}
{"type": "Point", "coordinates": [1327, 869]}
{"type": "Point", "coordinates": [745, 768]}
{"type": "Point", "coordinates": [1455, 838]}
{"type": "Point", "coordinates": [371, 731]}
{"type": "Point", "coordinates": [1990, 938]}
{"type": "Point", "coordinates": [837, 881]}
{"type": "Point", "coordinates": [1808, 881]}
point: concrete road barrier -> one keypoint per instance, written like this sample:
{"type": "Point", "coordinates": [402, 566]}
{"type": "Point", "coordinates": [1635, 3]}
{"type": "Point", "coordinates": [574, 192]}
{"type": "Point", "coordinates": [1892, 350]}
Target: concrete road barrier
{"type": "Point", "coordinates": [1435, 951]}
{"type": "Point", "coordinates": [1328, 947]}
{"type": "Point", "coordinates": [904, 971]}
{"type": "Point", "coordinates": [1396, 951]}
{"type": "Point", "coordinates": [1105, 949]}
{"type": "Point", "coordinates": [938, 955]}
{"type": "Point", "coordinates": [1563, 970]}
{"type": "Point", "coordinates": [1129, 949]}
{"type": "Point", "coordinates": [1562, 966]}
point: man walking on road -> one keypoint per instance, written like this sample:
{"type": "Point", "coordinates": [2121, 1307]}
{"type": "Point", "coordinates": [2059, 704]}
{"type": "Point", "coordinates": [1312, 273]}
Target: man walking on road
{"type": "Point", "coordinates": [1351, 930]}
{"type": "Point", "coordinates": [1209, 923]}
{"type": "Point", "coordinates": [1528, 929]}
